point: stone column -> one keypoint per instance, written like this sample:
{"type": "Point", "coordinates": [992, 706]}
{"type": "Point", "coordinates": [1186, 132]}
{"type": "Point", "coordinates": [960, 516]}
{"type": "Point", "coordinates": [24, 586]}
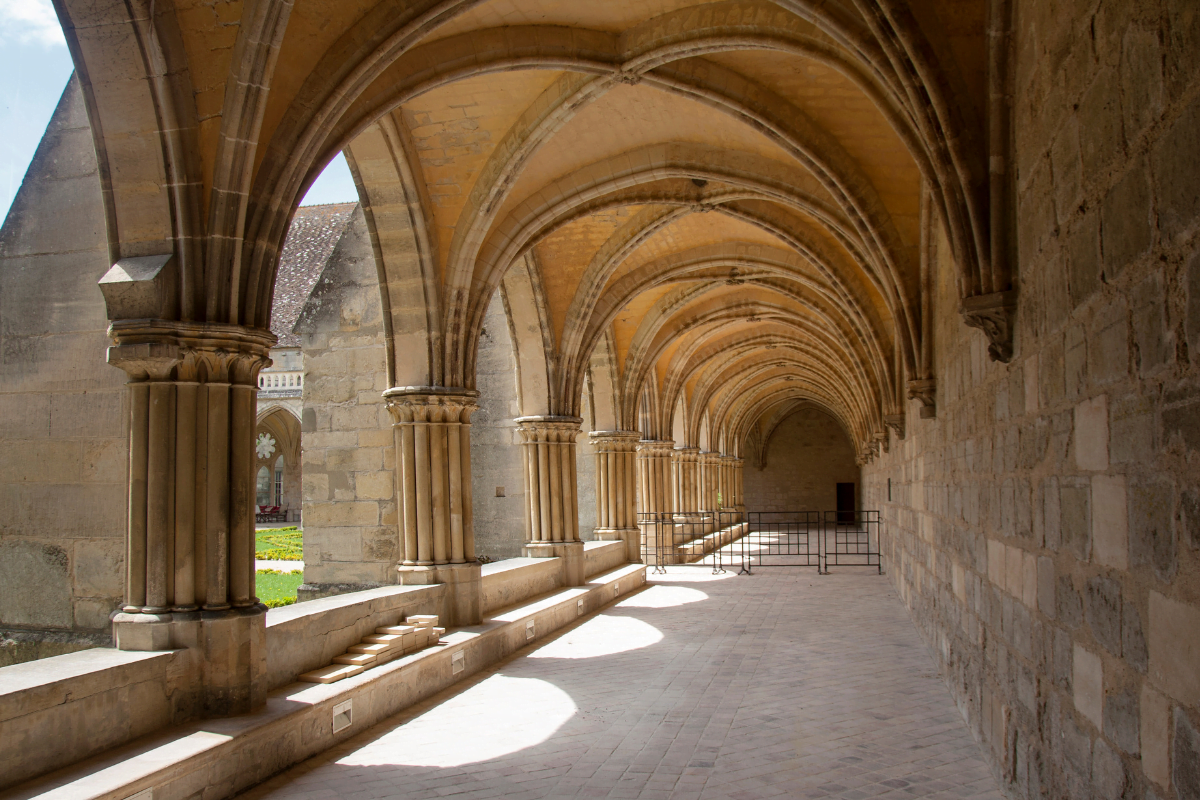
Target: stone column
{"type": "Point", "coordinates": [654, 485]}
{"type": "Point", "coordinates": [552, 504]}
{"type": "Point", "coordinates": [709, 462]}
{"type": "Point", "coordinates": [616, 493]}
{"type": "Point", "coordinates": [189, 556]}
{"type": "Point", "coordinates": [690, 490]}
{"type": "Point", "coordinates": [739, 499]}
{"type": "Point", "coordinates": [432, 430]}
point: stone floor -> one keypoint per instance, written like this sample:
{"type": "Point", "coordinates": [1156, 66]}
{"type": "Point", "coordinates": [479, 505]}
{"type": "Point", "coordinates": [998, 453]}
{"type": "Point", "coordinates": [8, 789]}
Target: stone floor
{"type": "Point", "coordinates": [783, 684]}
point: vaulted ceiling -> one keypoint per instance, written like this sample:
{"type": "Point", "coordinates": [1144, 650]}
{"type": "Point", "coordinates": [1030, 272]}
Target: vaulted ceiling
{"type": "Point", "coordinates": [732, 201]}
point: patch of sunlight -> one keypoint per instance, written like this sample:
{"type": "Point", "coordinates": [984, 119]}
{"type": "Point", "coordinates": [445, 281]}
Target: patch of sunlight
{"type": "Point", "coordinates": [663, 596]}
{"type": "Point", "coordinates": [702, 574]}
{"type": "Point", "coordinates": [494, 718]}
{"type": "Point", "coordinates": [603, 635]}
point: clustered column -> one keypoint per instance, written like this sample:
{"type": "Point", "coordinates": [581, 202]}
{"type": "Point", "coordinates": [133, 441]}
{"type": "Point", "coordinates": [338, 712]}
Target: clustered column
{"type": "Point", "coordinates": [686, 474]}
{"type": "Point", "coordinates": [654, 490]}
{"type": "Point", "coordinates": [552, 503]}
{"type": "Point", "coordinates": [739, 500]}
{"type": "Point", "coordinates": [432, 430]}
{"type": "Point", "coordinates": [654, 476]}
{"type": "Point", "coordinates": [189, 558]}
{"type": "Point", "coordinates": [709, 480]}
{"type": "Point", "coordinates": [616, 492]}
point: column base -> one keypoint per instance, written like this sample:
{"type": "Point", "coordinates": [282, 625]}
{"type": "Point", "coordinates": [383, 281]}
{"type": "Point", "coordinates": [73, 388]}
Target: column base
{"type": "Point", "coordinates": [229, 647]}
{"type": "Point", "coordinates": [463, 602]}
{"type": "Point", "coordinates": [571, 554]}
{"type": "Point", "coordinates": [631, 536]}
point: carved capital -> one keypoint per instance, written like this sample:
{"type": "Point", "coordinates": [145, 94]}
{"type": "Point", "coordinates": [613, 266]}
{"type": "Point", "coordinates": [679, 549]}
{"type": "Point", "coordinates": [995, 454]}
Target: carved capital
{"type": "Point", "coordinates": [614, 441]}
{"type": "Point", "coordinates": [414, 404]}
{"type": "Point", "coordinates": [655, 448]}
{"type": "Point", "coordinates": [159, 350]}
{"type": "Point", "coordinates": [535, 430]}
{"type": "Point", "coordinates": [993, 314]}
{"type": "Point", "coordinates": [924, 390]}
{"type": "Point", "coordinates": [894, 422]}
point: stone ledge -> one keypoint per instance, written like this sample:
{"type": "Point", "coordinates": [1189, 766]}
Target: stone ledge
{"type": "Point", "coordinates": [62, 709]}
{"type": "Point", "coordinates": [512, 580]}
{"type": "Point", "coordinates": [308, 635]}
{"type": "Point", "coordinates": [600, 557]}
{"type": "Point", "coordinates": [221, 757]}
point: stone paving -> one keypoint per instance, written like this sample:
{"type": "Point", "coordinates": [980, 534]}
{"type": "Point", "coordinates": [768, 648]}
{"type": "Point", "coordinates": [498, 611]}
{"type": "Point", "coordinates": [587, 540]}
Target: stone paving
{"type": "Point", "coordinates": [783, 684]}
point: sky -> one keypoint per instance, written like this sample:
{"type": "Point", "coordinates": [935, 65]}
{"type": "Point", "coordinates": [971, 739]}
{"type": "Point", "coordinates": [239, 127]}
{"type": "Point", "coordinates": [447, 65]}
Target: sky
{"type": "Point", "coordinates": [34, 69]}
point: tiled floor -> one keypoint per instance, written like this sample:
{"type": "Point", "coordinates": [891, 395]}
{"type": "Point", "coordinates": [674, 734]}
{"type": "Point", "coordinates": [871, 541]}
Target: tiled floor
{"type": "Point", "coordinates": [784, 684]}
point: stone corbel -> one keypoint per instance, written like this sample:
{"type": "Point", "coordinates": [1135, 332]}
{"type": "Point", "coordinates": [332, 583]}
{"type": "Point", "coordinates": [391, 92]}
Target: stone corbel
{"type": "Point", "coordinates": [894, 422]}
{"type": "Point", "coordinates": [924, 390]}
{"type": "Point", "coordinates": [993, 314]}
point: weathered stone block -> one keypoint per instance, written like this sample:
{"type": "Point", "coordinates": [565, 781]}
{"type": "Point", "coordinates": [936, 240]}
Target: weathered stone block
{"type": "Point", "coordinates": [1075, 508]}
{"type": "Point", "coordinates": [1185, 757]}
{"type": "Point", "coordinates": [1126, 223]}
{"type": "Point", "coordinates": [1075, 351]}
{"type": "Point", "coordinates": [99, 568]}
{"type": "Point", "coordinates": [1108, 772]}
{"type": "Point", "coordinates": [1174, 647]}
{"type": "Point", "coordinates": [325, 515]}
{"type": "Point", "coordinates": [1152, 526]}
{"type": "Point", "coordinates": [1087, 684]}
{"type": "Point", "coordinates": [1155, 734]}
{"type": "Point", "coordinates": [1133, 642]}
{"type": "Point", "coordinates": [1175, 162]}
{"type": "Point", "coordinates": [35, 584]}
{"type": "Point", "coordinates": [1189, 518]}
{"type": "Point", "coordinates": [1132, 430]}
{"type": "Point", "coordinates": [1100, 137]}
{"type": "Point", "coordinates": [1045, 586]}
{"type": "Point", "coordinates": [1122, 719]}
{"type": "Point", "coordinates": [1102, 609]}
{"type": "Point", "coordinates": [374, 485]}
{"type": "Point", "coordinates": [1070, 605]}
{"type": "Point", "coordinates": [1091, 434]}
{"type": "Point", "coordinates": [1110, 524]}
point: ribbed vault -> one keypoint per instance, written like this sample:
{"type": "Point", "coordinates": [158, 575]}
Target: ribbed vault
{"type": "Point", "coordinates": [723, 207]}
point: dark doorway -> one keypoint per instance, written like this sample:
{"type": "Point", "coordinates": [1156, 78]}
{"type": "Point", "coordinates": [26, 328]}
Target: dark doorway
{"type": "Point", "coordinates": [845, 503]}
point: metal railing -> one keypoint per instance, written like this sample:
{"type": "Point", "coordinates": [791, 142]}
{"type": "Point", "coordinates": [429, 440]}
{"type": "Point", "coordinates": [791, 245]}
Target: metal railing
{"type": "Point", "coordinates": [687, 537]}
{"type": "Point", "coordinates": [818, 539]}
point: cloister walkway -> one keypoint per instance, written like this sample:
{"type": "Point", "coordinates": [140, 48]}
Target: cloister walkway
{"type": "Point", "coordinates": [783, 684]}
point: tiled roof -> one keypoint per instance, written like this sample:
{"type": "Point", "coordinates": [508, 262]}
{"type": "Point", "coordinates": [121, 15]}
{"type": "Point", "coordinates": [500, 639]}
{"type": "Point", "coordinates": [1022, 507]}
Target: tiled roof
{"type": "Point", "coordinates": [311, 240]}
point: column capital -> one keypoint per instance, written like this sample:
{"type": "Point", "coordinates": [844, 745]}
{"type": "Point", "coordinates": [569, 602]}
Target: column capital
{"type": "Point", "coordinates": [661, 447]}
{"type": "Point", "coordinates": [159, 350]}
{"type": "Point", "coordinates": [615, 436]}
{"type": "Point", "coordinates": [687, 450]}
{"type": "Point", "coordinates": [411, 404]}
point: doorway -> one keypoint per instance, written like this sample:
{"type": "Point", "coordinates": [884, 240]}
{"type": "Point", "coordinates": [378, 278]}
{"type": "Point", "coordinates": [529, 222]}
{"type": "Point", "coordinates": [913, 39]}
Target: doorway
{"type": "Point", "coordinates": [845, 503]}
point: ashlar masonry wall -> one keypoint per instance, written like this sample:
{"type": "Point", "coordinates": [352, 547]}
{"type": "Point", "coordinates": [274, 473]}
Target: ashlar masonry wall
{"type": "Point", "coordinates": [350, 532]}
{"type": "Point", "coordinates": [807, 456]}
{"type": "Point", "coordinates": [63, 418]}
{"type": "Point", "coordinates": [1045, 527]}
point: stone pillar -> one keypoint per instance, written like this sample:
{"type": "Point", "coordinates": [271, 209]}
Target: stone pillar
{"type": "Point", "coordinates": [654, 484]}
{"type": "Point", "coordinates": [739, 499]}
{"type": "Point", "coordinates": [189, 556]}
{"type": "Point", "coordinates": [616, 493]}
{"type": "Point", "coordinates": [432, 430]}
{"type": "Point", "coordinates": [709, 462]}
{"type": "Point", "coordinates": [690, 489]}
{"type": "Point", "coordinates": [552, 505]}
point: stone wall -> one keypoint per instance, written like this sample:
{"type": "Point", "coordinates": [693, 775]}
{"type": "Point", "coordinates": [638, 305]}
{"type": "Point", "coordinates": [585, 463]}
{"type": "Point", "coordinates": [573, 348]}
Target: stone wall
{"type": "Point", "coordinates": [496, 465]}
{"type": "Point", "coordinates": [62, 416]}
{"type": "Point", "coordinates": [351, 537]}
{"type": "Point", "coordinates": [806, 457]}
{"type": "Point", "coordinates": [1045, 527]}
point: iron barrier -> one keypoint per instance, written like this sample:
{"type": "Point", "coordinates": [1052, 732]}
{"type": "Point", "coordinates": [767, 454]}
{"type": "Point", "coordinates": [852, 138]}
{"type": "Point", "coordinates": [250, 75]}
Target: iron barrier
{"type": "Point", "coordinates": [686, 537]}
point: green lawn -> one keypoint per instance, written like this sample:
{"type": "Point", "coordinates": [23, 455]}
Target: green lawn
{"type": "Point", "coordinates": [275, 588]}
{"type": "Point", "coordinates": [279, 544]}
